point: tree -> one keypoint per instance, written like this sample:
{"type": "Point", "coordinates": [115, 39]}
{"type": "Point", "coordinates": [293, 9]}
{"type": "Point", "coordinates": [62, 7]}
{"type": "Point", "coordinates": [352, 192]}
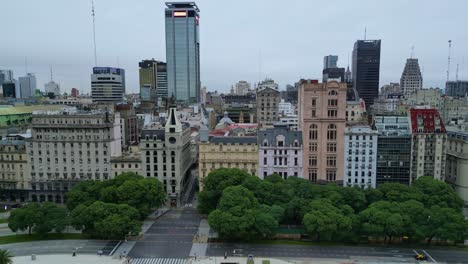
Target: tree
{"type": "Point", "coordinates": [382, 219]}
{"type": "Point", "coordinates": [354, 197]}
{"type": "Point", "coordinates": [437, 192]}
{"type": "Point", "coordinates": [106, 220]}
{"type": "Point", "coordinates": [395, 192]}
{"type": "Point", "coordinates": [40, 218]}
{"type": "Point", "coordinates": [214, 185]}
{"type": "Point", "coordinates": [325, 221]}
{"type": "Point", "coordinates": [446, 224]}
{"type": "Point", "coordinates": [5, 257]}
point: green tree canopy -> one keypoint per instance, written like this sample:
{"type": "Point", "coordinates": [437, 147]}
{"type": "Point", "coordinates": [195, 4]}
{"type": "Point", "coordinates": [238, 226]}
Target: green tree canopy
{"type": "Point", "coordinates": [437, 193]}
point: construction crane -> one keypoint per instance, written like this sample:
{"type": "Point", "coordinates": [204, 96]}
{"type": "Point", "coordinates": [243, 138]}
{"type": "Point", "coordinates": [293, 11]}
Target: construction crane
{"type": "Point", "coordinates": [448, 64]}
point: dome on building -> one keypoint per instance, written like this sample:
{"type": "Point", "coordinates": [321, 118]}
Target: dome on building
{"type": "Point", "coordinates": [225, 119]}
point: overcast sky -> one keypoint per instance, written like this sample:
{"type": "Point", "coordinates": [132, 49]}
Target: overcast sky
{"type": "Point", "coordinates": [291, 36]}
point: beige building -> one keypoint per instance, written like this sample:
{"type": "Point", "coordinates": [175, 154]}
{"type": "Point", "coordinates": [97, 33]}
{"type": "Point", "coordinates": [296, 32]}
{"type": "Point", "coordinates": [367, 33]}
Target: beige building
{"type": "Point", "coordinates": [130, 162]}
{"type": "Point", "coordinates": [70, 146]}
{"type": "Point", "coordinates": [14, 171]}
{"type": "Point", "coordinates": [428, 141]}
{"type": "Point", "coordinates": [268, 100]}
{"type": "Point", "coordinates": [457, 159]}
{"type": "Point", "coordinates": [355, 111]}
{"type": "Point", "coordinates": [227, 152]}
{"type": "Point", "coordinates": [322, 119]}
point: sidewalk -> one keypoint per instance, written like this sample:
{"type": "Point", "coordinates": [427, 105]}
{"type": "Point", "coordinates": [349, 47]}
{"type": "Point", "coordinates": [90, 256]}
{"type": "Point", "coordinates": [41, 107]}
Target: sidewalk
{"type": "Point", "coordinates": [200, 241]}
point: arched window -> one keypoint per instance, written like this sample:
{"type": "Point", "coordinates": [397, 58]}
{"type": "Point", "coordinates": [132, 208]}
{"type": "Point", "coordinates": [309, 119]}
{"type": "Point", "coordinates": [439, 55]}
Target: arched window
{"type": "Point", "coordinates": [331, 132]}
{"type": "Point", "coordinates": [332, 92]}
{"type": "Point", "coordinates": [265, 142]}
{"type": "Point", "coordinates": [313, 132]}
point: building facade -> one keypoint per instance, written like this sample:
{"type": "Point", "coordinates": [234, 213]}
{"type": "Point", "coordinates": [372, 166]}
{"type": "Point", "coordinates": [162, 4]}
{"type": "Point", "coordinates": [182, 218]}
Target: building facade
{"type": "Point", "coordinates": [153, 81]}
{"type": "Point", "coordinates": [393, 149]}
{"type": "Point", "coordinates": [366, 69]}
{"type": "Point", "coordinates": [360, 156]}
{"type": "Point", "coordinates": [322, 118]}
{"type": "Point", "coordinates": [457, 159]}
{"type": "Point", "coordinates": [183, 51]}
{"type": "Point", "coordinates": [279, 152]}
{"type": "Point", "coordinates": [330, 61]}
{"type": "Point", "coordinates": [126, 163]}
{"type": "Point", "coordinates": [241, 88]}
{"type": "Point", "coordinates": [107, 84]}
{"type": "Point", "coordinates": [227, 152]}
{"type": "Point", "coordinates": [429, 139]}
{"type": "Point", "coordinates": [456, 88]}
{"type": "Point", "coordinates": [70, 146]}
{"type": "Point", "coordinates": [14, 170]}
{"type": "Point", "coordinates": [411, 79]}
{"type": "Point", "coordinates": [268, 100]}
{"type": "Point", "coordinates": [166, 156]}
{"type": "Point", "coordinates": [27, 86]}
{"type": "Point", "coordinates": [52, 88]}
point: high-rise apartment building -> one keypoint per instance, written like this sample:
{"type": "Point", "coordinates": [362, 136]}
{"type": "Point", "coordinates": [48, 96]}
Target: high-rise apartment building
{"type": "Point", "coordinates": [241, 88]}
{"type": "Point", "coordinates": [330, 61]}
{"type": "Point", "coordinates": [107, 84]}
{"type": "Point", "coordinates": [411, 79]}
{"type": "Point", "coordinates": [457, 159]}
{"type": "Point", "coordinates": [183, 51]}
{"type": "Point", "coordinates": [27, 86]}
{"type": "Point", "coordinates": [268, 100]}
{"type": "Point", "coordinates": [322, 118]}
{"type": "Point", "coordinates": [366, 69]}
{"type": "Point", "coordinates": [393, 149]}
{"type": "Point", "coordinates": [360, 156]}
{"type": "Point", "coordinates": [70, 146]}
{"type": "Point", "coordinates": [166, 156]}
{"type": "Point", "coordinates": [456, 88]}
{"type": "Point", "coordinates": [153, 81]}
{"type": "Point", "coordinates": [428, 144]}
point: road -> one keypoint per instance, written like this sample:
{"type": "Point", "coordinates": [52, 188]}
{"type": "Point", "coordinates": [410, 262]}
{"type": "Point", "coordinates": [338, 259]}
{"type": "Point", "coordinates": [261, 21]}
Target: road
{"type": "Point", "coordinates": [171, 236]}
{"type": "Point", "coordinates": [60, 247]}
{"type": "Point", "coordinates": [386, 254]}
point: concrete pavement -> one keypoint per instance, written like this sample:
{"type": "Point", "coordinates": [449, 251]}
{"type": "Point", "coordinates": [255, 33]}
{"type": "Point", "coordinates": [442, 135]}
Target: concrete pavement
{"type": "Point", "coordinates": [66, 258]}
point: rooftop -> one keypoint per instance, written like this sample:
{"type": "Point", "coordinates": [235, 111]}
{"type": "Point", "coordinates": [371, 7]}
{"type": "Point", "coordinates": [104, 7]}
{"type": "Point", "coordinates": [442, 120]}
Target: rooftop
{"type": "Point", "coordinates": [176, 5]}
{"type": "Point", "coordinates": [21, 110]}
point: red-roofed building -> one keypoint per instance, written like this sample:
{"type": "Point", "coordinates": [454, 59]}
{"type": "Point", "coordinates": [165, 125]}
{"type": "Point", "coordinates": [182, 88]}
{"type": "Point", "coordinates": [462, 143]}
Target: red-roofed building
{"type": "Point", "coordinates": [428, 139]}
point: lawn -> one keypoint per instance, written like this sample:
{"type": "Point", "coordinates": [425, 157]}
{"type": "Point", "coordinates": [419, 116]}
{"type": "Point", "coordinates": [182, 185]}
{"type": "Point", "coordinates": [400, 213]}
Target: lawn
{"type": "Point", "coordinates": [2, 221]}
{"type": "Point", "coordinates": [34, 237]}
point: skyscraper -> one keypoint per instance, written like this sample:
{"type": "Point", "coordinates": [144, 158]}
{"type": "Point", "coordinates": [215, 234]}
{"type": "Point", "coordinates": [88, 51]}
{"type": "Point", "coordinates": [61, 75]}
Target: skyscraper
{"type": "Point", "coordinates": [27, 86]}
{"type": "Point", "coordinates": [6, 76]}
{"type": "Point", "coordinates": [107, 84]}
{"type": "Point", "coordinates": [153, 81]}
{"type": "Point", "coordinates": [366, 69]}
{"type": "Point", "coordinates": [411, 78]}
{"type": "Point", "coordinates": [330, 61]}
{"type": "Point", "coordinates": [183, 51]}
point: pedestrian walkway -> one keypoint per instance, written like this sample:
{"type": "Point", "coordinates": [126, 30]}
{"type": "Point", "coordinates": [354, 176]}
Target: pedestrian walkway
{"type": "Point", "coordinates": [200, 240]}
{"type": "Point", "coordinates": [157, 261]}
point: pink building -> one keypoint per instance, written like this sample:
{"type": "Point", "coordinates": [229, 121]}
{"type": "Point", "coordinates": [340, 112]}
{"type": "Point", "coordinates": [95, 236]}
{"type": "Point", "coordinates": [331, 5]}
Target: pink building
{"type": "Point", "coordinates": [322, 119]}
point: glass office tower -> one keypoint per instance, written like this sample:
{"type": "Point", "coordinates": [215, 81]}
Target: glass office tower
{"type": "Point", "coordinates": [366, 69]}
{"type": "Point", "coordinates": [183, 51]}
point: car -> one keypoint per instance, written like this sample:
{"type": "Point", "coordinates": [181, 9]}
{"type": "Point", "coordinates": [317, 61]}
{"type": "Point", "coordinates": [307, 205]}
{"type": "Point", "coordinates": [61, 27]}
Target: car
{"type": "Point", "coordinates": [237, 252]}
{"type": "Point", "coordinates": [420, 257]}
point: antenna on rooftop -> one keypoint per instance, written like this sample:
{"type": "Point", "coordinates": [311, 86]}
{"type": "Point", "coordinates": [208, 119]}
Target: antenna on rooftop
{"type": "Point", "coordinates": [448, 64]}
{"type": "Point", "coordinates": [51, 75]}
{"type": "Point", "coordinates": [412, 52]}
{"type": "Point", "coordinates": [26, 64]}
{"type": "Point", "coordinates": [456, 73]}
{"type": "Point", "coordinates": [260, 65]}
{"type": "Point", "coordinates": [365, 33]}
{"type": "Point", "coordinates": [94, 31]}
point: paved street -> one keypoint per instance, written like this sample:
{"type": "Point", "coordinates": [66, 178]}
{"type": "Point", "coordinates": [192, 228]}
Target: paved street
{"type": "Point", "coordinates": [171, 236]}
{"type": "Point", "coordinates": [384, 254]}
{"type": "Point", "coordinates": [60, 247]}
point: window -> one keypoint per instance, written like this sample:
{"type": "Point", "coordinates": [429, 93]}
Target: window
{"type": "Point", "coordinates": [313, 161]}
{"type": "Point", "coordinates": [331, 175]}
{"type": "Point", "coordinates": [313, 132]}
{"type": "Point", "coordinates": [264, 161]}
{"type": "Point", "coordinates": [314, 102]}
{"type": "Point", "coordinates": [332, 92]}
{"type": "Point", "coordinates": [314, 114]}
{"type": "Point", "coordinates": [331, 132]}
{"type": "Point", "coordinates": [313, 147]}
{"type": "Point", "coordinates": [331, 147]}
{"type": "Point", "coordinates": [332, 102]}
{"type": "Point", "coordinates": [295, 162]}
{"type": "Point", "coordinates": [313, 175]}
{"type": "Point", "coordinates": [332, 113]}
{"type": "Point", "coordinates": [331, 161]}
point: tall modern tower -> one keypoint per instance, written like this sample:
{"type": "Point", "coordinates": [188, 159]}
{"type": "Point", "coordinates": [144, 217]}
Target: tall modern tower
{"type": "Point", "coordinates": [411, 78]}
{"type": "Point", "coordinates": [183, 51]}
{"type": "Point", "coordinates": [330, 61]}
{"type": "Point", "coordinates": [27, 86]}
{"type": "Point", "coordinates": [153, 81]}
{"type": "Point", "coordinates": [366, 69]}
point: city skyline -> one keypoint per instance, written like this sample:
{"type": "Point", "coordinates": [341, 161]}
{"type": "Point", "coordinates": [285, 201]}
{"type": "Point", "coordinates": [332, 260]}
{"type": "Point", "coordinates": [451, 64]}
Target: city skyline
{"type": "Point", "coordinates": [67, 46]}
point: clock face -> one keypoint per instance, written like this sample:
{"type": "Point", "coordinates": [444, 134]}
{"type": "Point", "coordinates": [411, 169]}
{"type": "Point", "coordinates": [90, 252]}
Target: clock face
{"type": "Point", "coordinates": [172, 140]}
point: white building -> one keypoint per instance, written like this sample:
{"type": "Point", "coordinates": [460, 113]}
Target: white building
{"type": "Point", "coordinates": [52, 87]}
{"type": "Point", "coordinates": [70, 146]}
{"type": "Point", "coordinates": [27, 86]}
{"type": "Point", "coordinates": [280, 152]}
{"type": "Point", "coordinates": [286, 108]}
{"type": "Point", "coordinates": [241, 88]}
{"type": "Point", "coordinates": [291, 121]}
{"type": "Point", "coordinates": [411, 79]}
{"type": "Point", "coordinates": [360, 167]}
{"type": "Point", "coordinates": [107, 84]}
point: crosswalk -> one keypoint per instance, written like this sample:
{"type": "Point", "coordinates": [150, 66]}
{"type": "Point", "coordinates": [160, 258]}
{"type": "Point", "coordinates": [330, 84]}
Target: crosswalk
{"type": "Point", "coordinates": [157, 261]}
